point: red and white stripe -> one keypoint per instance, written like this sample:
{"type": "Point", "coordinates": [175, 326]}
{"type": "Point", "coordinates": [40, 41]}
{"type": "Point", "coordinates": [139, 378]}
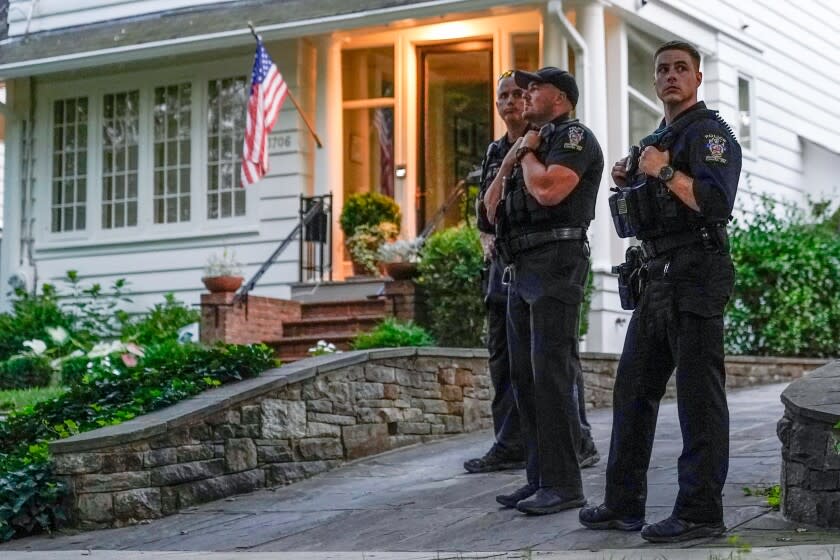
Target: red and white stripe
{"type": "Point", "coordinates": [263, 109]}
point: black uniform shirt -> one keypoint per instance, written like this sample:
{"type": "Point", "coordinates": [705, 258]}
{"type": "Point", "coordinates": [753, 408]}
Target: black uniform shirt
{"type": "Point", "coordinates": [496, 152]}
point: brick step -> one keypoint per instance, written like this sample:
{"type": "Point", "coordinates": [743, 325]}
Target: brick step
{"type": "Point", "coordinates": [319, 326]}
{"type": "Point", "coordinates": [350, 308]}
{"type": "Point", "coordinates": [299, 345]}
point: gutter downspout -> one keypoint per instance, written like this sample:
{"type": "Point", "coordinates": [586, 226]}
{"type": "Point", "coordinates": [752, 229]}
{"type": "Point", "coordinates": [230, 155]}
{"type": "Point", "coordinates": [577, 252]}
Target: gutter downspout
{"type": "Point", "coordinates": [577, 43]}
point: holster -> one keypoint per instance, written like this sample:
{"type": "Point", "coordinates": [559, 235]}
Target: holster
{"type": "Point", "coordinates": [631, 278]}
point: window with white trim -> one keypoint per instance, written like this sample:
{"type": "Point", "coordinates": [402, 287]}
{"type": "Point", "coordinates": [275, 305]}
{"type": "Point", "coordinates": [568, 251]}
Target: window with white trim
{"type": "Point", "coordinates": [226, 103]}
{"type": "Point", "coordinates": [69, 164]}
{"type": "Point", "coordinates": [172, 145]}
{"type": "Point", "coordinates": [120, 138]}
{"type": "Point", "coordinates": [745, 128]}
{"type": "Point", "coordinates": [645, 111]}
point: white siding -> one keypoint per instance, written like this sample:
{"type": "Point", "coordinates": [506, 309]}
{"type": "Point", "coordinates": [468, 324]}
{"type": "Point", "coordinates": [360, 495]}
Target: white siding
{"type": "Point", "coordinates": [54, 14]}
{"type": "Point", "coordinates": [174, 263]}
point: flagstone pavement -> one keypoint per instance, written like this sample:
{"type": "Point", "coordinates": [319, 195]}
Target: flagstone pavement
{"type": "Point", "coordinates": [418, 503]}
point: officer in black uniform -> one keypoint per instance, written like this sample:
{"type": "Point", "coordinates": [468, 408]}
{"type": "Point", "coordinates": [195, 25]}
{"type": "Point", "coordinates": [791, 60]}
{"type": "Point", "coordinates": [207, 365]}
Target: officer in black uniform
{"type": "Point", "coordinates": [692, 172]}
{"type": "Point", "coordinates": [542, 211]}
{"type": "Point", "coordinates": [508, 451]}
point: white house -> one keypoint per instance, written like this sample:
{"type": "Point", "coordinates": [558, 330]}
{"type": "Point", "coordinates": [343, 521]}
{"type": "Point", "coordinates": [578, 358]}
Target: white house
{"type": "Point", "coordinates": [124, 118]}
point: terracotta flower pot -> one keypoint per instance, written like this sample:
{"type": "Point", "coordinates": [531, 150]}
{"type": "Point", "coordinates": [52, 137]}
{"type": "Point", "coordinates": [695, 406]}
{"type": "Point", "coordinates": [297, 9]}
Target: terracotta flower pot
{"type": "Point", "coordinates": [222, 283]}
{"type": "Point", "coordinates": [400, 270]}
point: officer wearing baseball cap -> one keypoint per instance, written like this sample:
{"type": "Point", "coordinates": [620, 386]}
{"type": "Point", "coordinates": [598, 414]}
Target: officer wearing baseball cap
{"type": "Point", "coordinates": [542, 211]}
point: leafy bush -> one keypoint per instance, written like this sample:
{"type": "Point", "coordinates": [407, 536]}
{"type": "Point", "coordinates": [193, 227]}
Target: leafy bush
{"type": "Point", "coordinates": [20, 398]}
{"type": "Point", "coordinates": [30, 316]}
{"type": "Point", "coordinates": [392, 333]}
{"type": "Point", "coordinates": [368, 209]}
{"type": "Point", "coordinates": [161, 323]}
{"type": "Point", "coordinates": [365, 242]}
{"type": "Point", "coordinates": [111, 391]}
{"type": "Point", "coordinates": [450, 276]}
{"type": "Point", "coordinates": [21, 372]}
{"type": "Point", "coordinates": [788, 276]}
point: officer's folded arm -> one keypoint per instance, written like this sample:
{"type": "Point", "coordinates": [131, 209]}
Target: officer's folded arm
{"type": "Point", "coordinates": [548, 185]}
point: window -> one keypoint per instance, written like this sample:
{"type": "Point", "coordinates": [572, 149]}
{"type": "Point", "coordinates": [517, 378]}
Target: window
{"type": "Point", "coordinates": [69, 167]}
{"type": "Point", "coordinates": [645, 112]}
{"type": "Point", "coordinates": [121, 121]}
{"type": "Point", "coordinates": [526, 51]}
{"type": "Point", "coordinates": [745, 129]}
{"type": "Point", "coordinates": [227, 100]}
{"type": "Point", "coordinates": [172, 129]}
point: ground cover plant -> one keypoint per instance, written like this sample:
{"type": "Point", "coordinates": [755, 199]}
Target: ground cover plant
{"type": "Point", "coordinates": [113, 367]}
{"type": "Point", "coordinates": [393, 333]}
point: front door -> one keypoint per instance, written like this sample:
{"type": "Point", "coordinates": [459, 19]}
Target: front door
{"type": "Point", "coordinates": [456, 118]}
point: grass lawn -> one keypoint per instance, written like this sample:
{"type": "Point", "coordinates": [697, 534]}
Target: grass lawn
{"type": "Point", "coordinates": [19, 398]}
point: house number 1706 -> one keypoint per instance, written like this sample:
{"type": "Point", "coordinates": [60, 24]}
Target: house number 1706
{"type": "Point", "coordinates": [280, 142]}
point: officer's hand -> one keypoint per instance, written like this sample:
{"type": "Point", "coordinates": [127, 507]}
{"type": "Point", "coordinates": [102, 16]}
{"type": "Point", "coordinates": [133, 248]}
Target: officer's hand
{"type": "Point", "coordinates": [487, 240]}
{"type": "Point", "coordinates": [619, 172]}
{"type": "Point", "coordinates": [652, 160]}
{"type": "Point", "coordinates": [532, 139]}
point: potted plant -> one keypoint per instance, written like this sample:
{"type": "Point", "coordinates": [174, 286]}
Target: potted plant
{"type": "Point", "coordinates": [360, 219]}
{"type": "Point", "coordinates": [399, 258]}
{"type": "Point", "coordinates": [222, 272]}
{"type": "Point", "coordinates": [364, 246]}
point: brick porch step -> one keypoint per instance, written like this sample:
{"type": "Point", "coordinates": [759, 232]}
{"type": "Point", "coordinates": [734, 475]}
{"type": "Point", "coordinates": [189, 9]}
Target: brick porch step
{"type": "Point", "coordinates": [321, 326]}
{"type": "Point", "coordinates": [350, 308]}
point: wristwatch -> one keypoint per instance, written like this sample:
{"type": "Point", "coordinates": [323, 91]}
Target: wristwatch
{"type": "Point", "coordinates": [521, 152]}
{"type": "Point", "coordinates": [666, 173]}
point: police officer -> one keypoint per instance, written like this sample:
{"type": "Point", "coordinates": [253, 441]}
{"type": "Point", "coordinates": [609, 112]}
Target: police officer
{"type": "Point", "coordinates": [542, 209]}
{"type": "Point", "coordinates": [508, 451]}
{"type": "Point", "coordinates": [679, 319]}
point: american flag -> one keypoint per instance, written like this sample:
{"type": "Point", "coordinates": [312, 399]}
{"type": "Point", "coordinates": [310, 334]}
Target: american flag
{"type": "Point", "coordinates": [268, 91]}
{"type": "Point", "coordinates": [383, 121]}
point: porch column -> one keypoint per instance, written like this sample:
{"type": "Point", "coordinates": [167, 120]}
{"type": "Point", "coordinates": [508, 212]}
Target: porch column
{"type": "Point", "coordinates": [590, 24]}
{"type": "Point", "coordinates": [11, 256]}
{"type": "Point", "coordinates": [555, 47]}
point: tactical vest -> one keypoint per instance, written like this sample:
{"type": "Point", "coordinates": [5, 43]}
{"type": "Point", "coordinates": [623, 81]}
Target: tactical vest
{"type": "Point", "coordinates": [525, 215]}
{"type": "Point", "coordinates": [645, 208]}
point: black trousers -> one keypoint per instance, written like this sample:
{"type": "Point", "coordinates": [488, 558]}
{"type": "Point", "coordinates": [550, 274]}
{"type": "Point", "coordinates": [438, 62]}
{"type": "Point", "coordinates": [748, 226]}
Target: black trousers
{"type": "Point", "coordinates": [544, 300]}
{"type": "Point", "coordinates": [679, 323]}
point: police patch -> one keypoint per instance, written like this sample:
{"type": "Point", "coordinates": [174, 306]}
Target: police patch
{"type": "Point", "coordinates": [717, 147]}
{"type": "Point", "coordinates": [575, 138]}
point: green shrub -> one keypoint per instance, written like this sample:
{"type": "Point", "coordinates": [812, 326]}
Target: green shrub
{"type": "Point", "coordinates": [30, 499]}
{"type": "Point", "coordinates": [30, 316]}
{"type": "Point", "coordinates": [392, 333]}
{"type": "Point", "coordinates": [20, 398]}
{"type": "Point", "coordinates": [450, 277]}
{"type": "Point", "coordinates": [22, 372]}
{"type": "Point", "coordinates": [368, 209]}
{"type": "Point", "coordinates": [787, 279]}
{"type": "Point", "coordinates": [73, 370]}
{"type": "Point", "coordinates": [161, 323]}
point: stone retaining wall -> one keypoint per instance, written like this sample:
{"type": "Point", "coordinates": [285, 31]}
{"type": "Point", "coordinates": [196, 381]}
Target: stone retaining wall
{"type": "Point", "coordinates": [288, 424]}
{"type": "Point", "coordinates": [303, 419]}
{"type": "Point", "coordinates": [811, 448]}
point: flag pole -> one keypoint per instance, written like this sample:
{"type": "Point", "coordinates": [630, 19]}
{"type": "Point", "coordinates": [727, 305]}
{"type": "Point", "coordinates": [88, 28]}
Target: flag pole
{"type": "Point", "coordinates": [292, 98]}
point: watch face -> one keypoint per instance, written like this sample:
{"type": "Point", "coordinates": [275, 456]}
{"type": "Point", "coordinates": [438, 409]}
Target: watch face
{"type": "Point", "coordinates": [666, 173]}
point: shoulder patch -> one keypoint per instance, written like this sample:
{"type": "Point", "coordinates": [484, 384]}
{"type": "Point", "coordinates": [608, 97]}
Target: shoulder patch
{"type": "Point", "coordinates": [717, 145]}
{"type": "Point", "coordinates": [575, 137]}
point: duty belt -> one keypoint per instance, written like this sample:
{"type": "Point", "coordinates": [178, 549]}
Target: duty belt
{"type": "Point", "coordinates": [652, 248]}
{"type": "Point", "coordinates": [532, 240]}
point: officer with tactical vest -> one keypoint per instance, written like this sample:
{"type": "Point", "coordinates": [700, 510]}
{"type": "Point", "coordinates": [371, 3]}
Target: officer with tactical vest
{"type": "Point", "coordinates": [677, 205]}
{"type": "Point", "coordinates": [541, 212]}
{"type": "Point", "coordinates": [508, 451]}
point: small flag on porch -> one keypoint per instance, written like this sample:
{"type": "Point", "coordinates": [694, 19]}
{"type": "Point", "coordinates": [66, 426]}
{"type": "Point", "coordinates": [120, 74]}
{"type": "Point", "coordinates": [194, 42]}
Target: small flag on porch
{"type": "Point", "coordinates": [268, 91]}
{"type": "Point", "coordinates": [383, 121]}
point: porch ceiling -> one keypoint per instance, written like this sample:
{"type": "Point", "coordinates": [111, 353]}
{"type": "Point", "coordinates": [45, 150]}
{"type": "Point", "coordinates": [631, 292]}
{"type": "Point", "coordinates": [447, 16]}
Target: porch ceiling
{"type": "Point", "coordinates": [216, 26]}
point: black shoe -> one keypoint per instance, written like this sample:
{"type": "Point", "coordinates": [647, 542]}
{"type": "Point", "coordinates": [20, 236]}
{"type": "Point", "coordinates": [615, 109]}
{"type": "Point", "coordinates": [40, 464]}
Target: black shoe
{"type": "Point", "coordinates": [495, 460]}
{"type": "Point", "coordinates": [602, 517]}
{"type": "Point", "coordinates": [674, 530]}
{"type": "Point", "coordinates": [510, 500]}
{"type": "Point", "coordinates": [589, 457]}
{"type": "Point", "coordinates": [549, 500]}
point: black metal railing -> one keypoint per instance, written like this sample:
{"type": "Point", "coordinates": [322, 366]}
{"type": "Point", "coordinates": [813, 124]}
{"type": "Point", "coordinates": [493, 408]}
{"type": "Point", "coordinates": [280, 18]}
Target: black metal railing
{"type": "Point", "coordinates": [314, 214]}
{"type": "Point", "coordinates": [465, 192]}
{"type": "Point", "coordinates": [315, 253]}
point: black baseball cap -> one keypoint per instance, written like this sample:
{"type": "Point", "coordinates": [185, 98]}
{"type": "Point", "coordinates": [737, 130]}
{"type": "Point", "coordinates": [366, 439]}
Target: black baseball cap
{"type": "Point", "coordinates": [560, 79]}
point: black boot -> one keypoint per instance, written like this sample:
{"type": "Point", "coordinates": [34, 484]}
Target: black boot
{"type": "Point", "coordinates": [495, 460]}
{"type": "Point", "coordinates": [674, 530]}
{"type": "Point", "coordinates": [589, 456]}
{"type": "Point", "coordinates": [510, 500]}
{"type": "Point", "coordinates": [550, 500]}
{"type": "Point", "coordinates": [602, 517]}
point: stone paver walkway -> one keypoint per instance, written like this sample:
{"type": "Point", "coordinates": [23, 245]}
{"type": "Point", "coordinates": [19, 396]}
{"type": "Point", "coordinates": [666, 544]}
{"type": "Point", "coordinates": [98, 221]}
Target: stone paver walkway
{"type": "Point", "coordinates": [419, 500]}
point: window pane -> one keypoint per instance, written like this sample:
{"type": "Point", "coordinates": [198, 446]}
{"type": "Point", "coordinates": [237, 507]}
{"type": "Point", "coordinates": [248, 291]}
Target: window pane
{"type": "Point", "coordinates": [226, 118]}
{"type": "Point", "coordinates": [642, 121]}
{"type": "Point", "coordinates": [172, 115]}
{"type": "Point", "coordinates": [744, 114]}
{"type": "Point", "coordinates": [367, 73]}
{"type": "Point", "coordinates": [69, 164]}
{"type": "Point", "coordinates": [526, 51]}
{"type": "Point", "coordinates": [120, 146]}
